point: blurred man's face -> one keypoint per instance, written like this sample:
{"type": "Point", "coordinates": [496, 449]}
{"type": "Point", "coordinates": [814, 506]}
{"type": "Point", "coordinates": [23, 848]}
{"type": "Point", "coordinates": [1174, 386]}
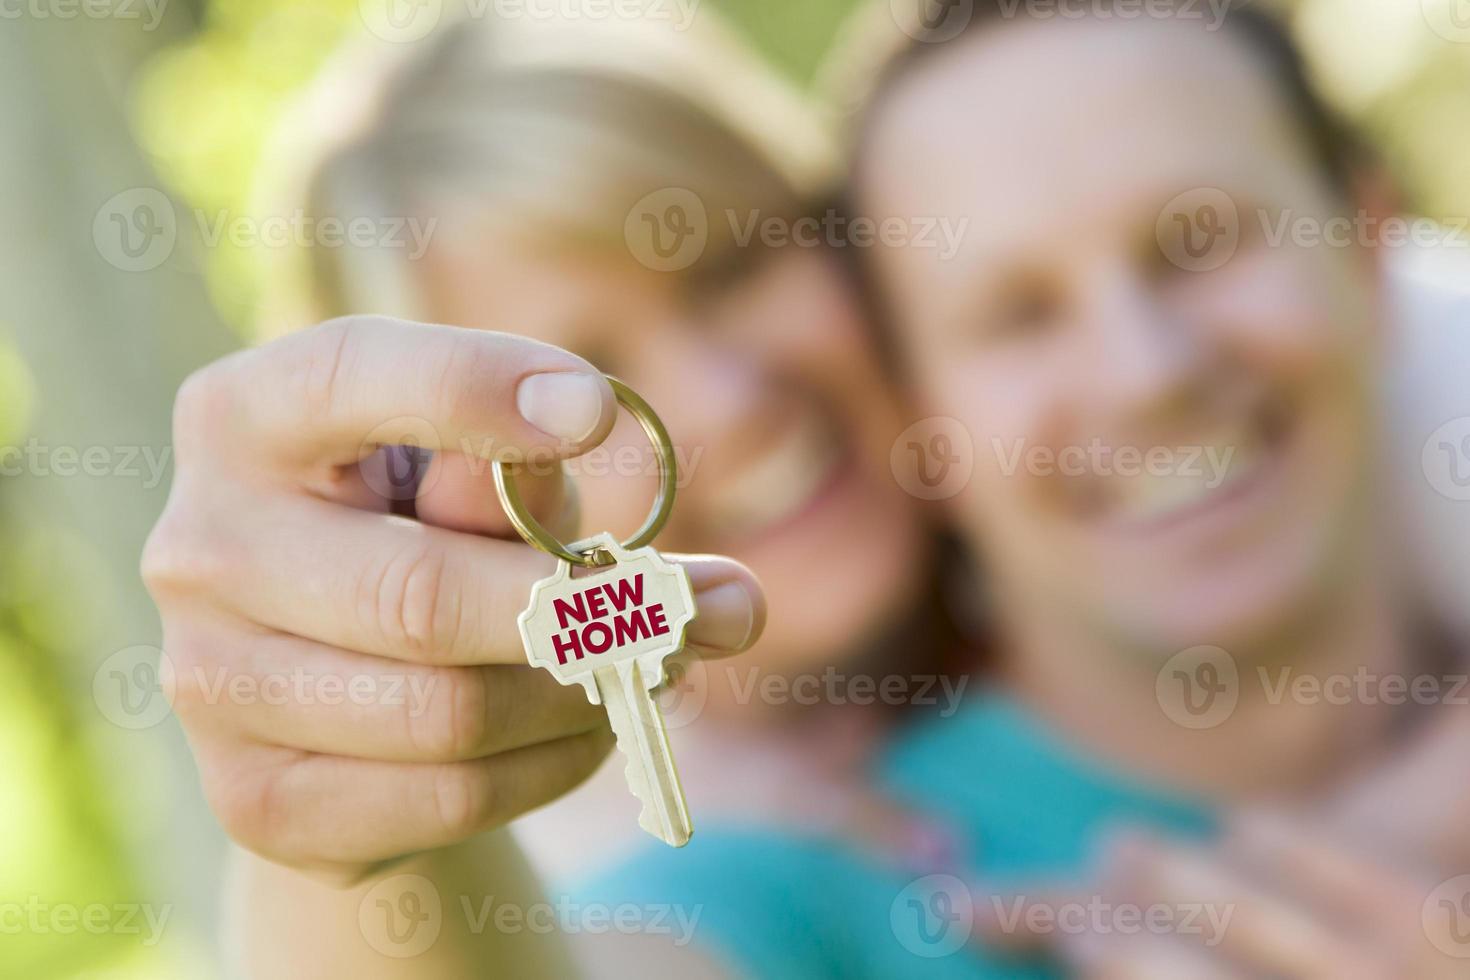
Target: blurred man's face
{"type": "Point", "coordinates": [1173, 457]}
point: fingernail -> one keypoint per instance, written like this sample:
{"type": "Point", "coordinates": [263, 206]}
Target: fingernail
{"type": "Point", "coordinates": [727, 615]}
{"type": "Point", "coordinates": [564, 404]}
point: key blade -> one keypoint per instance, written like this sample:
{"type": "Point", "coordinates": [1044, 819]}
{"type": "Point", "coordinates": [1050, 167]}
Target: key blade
{"type": "Point", "coordinates": [639, 726]}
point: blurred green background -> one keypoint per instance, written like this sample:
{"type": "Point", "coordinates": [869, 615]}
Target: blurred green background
{"type": "Point", "coordinates": [97, 812]}
{"type": "Point", "coordinates": [204, 106]}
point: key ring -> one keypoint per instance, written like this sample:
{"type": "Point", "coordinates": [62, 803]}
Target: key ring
{"type": "Point", "coordinates": [538, 537]}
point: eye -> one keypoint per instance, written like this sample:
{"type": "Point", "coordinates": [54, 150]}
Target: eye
{"type": "Point", "coordinates": [1027, 307]}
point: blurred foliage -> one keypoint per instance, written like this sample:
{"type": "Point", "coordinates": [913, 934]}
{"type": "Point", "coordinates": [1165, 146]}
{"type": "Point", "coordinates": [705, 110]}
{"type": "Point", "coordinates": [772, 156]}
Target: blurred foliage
{"type": "Point", "coordinates": [205, 107]}
{"type": "Point", "coordinates": [17, 395]}
{"type": "Point", "coordinates": [73, 857]}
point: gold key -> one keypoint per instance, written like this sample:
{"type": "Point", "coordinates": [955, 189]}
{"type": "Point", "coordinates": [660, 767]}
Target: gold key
{"type": "Point", "coordinates": [611, 629]}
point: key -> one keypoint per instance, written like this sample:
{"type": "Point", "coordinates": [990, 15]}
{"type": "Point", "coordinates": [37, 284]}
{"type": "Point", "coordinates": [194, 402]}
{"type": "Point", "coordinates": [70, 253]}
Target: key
{"type": "Point", "coordinates": [639, 726]}
{"type": "Point", "coordinates": [610, 631]}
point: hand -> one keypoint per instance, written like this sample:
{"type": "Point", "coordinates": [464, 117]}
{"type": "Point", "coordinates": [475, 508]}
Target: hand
{"type": "Point", "coordinates": [1275, 899]}
{"type": "Point", "coordinates": [352, 682]}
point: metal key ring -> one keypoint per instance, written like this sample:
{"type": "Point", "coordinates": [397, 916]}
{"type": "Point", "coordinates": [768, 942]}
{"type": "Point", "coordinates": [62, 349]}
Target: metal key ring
{"type": "Point", "coordinates": [538, 537]}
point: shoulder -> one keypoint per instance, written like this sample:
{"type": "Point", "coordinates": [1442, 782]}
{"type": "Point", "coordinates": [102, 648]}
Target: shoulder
{"type": "Point", "coordinates": [769, 905]}
{"type": "Point", "coordinates": [759, 903]}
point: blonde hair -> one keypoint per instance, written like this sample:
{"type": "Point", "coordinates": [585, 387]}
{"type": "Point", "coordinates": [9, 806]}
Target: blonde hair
{"type": "Point", "coordinates": [561, 125]}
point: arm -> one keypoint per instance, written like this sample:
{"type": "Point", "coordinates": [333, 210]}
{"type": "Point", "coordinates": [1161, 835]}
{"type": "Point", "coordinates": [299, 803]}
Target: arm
{"type": "Point", "coordinates": [480, 913]}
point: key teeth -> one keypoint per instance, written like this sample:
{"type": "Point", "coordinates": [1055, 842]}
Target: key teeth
{"type": "Point", "coordinates": [633, 777]}
{"type": "Point", "coordinates": [648, 814]}
{"type": "Point", "coordinates": [629, 726]}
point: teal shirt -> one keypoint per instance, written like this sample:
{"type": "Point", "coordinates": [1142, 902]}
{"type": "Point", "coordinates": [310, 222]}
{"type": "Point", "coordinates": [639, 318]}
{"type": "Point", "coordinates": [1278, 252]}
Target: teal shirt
{"type": "Point", "coordinates": [774, 905]}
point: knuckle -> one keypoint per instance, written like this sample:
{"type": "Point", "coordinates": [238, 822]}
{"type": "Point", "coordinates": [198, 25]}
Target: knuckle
{"type": "Point", "coordinates": [468, 370]}
{"type": "Point", "coordinates": [465, 799]}
{"type": "Point", "coordinates": [413, 604]}
{"type": "Point", "coordinates": [329, 349]}
{"type": "Point", "coordinates": [206, 404]}
{"type": "Point", "coordinates": [456, 724]}
{"type": "Point", "coordinates": [179, 556]}
{"type": "Point", "coordinates": [159, 559]}
{"type": "Point", "coordinates": [251, 807]}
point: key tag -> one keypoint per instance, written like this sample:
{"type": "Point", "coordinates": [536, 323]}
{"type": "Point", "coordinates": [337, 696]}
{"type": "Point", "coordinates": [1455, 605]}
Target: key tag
{"type": "Point", "coordinates": [610, 631]}
{"type": "Point", "coordinates": [634, 610]}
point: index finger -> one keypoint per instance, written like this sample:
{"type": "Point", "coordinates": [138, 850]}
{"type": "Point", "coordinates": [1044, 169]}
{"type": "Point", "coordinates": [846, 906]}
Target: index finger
{"type": "Point", "coordinates": [334, 393]}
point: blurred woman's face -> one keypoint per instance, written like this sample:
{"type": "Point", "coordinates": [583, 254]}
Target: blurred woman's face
{"type": "Point", "coordinates": [775, 406]}
{"type": "Point", "coordinates": [1067, 341]}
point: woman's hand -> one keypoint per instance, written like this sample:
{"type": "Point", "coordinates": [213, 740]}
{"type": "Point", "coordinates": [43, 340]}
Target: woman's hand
{"type": "Point", "coordinates": [1273, 900]}
{"type": "Point", "coordinates": [352, 682]}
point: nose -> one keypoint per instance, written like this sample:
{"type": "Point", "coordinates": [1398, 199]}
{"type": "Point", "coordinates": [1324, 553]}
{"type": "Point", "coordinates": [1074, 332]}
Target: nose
{"type": "Point", "coordinates": [1144, 355]}
{"type": "Point", "coordinates": [720, 397]}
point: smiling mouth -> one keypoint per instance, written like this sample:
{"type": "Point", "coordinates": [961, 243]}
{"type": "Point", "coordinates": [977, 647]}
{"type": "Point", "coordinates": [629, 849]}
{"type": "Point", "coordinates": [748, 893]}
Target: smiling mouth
{"type": "Point", "coordinates": [1192, 478]}
{"type": "Point", "coordinates": [791, 474]}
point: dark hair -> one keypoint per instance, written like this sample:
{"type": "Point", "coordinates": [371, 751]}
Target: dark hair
{"type": "Point", "coordinates": [1336, 146]}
